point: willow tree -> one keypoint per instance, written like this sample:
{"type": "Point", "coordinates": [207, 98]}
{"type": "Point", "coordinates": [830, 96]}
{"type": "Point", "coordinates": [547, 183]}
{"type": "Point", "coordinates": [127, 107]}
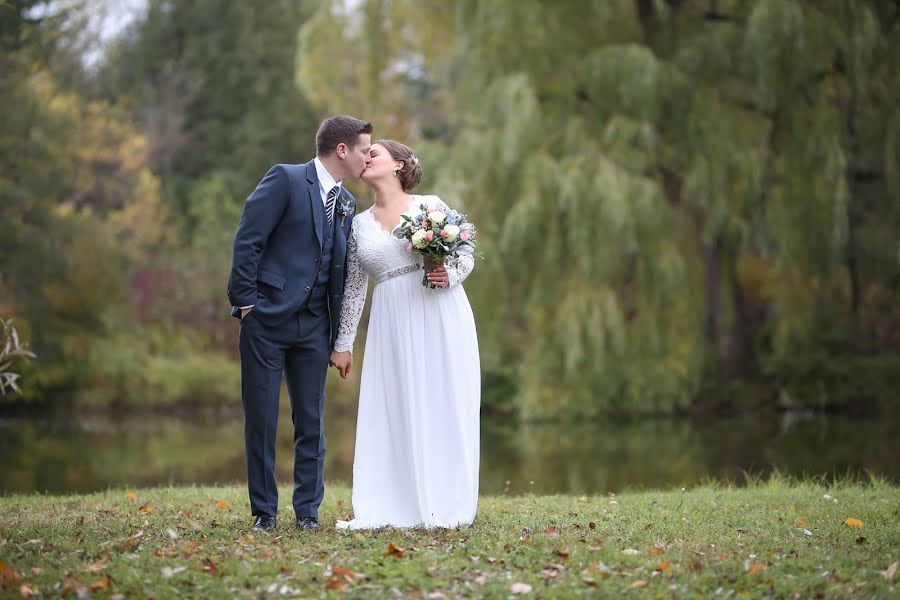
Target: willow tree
{"type": "Point", "coordinates": [668, 193]}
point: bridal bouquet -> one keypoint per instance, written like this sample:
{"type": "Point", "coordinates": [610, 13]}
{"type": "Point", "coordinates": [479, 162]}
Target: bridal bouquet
{"type": "Point", "coordinates": [436, 234]}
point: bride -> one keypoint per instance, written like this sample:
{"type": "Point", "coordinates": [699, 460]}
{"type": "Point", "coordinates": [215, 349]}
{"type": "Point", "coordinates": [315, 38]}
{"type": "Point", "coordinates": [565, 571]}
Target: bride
{"type": "Point", "coordinates": [417, 433]}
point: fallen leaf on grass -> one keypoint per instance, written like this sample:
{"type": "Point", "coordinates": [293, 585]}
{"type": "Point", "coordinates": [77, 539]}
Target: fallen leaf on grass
{"type": "Point", "coordinates": [562, 553]}
{"type": "Point", "coordinates": [631, 551]}
{"type": "Point", "coordinates": [657, 551]}
{"type": "Point", "coordinates": [209, 566]}
{"type": "Point", "coordinates": [664, 566]}
{"type": "Point", "coordinates": [552, 571]}
{"type": "Point", "coordinates": [99, 565]}
{"type": "Point", "coordinates": [589, 581]}
{"type": "Point", "coordinates": [170, 571]}
{"type": "Point", "coordinates": [854, 523]}
{"type": "Point", "coordinates": [26, 591]}
{"type": "Point", "coordinates": [801, 522]}
{"type": "Point", "coordinates": [755, 569]}
{"type": "Point", "coordinates": [189, 548]}
{"type": "Point", "coordinates": [551, 532]}
{"type": "Point", "coordinates": [335, 584]}
{"type": "Point", "coordinates": [891, 571]}
{"type": "Point", "coordinates": [520, 588]}
{"type": "Point", "coordinates": [146, 509]}
{"type": "Point", "coordinates": [394, 551]}
{"type": "Point", "coordinates": [70, 585]}
{"type": "Point", "coordinates": [348, 575]}
{"type": "Point", "coordinates": [640, 583]}
{"type": "Point", "coordinates": [101, 584]}
{"type": "Point", "coordinates": [130, 496]}
{"type": "Point", "coordinates": [129, 542]}
{"type": "Point", "coordinates": [36, 570]}
{"type": "Point", "coordinates": [7, 575]}
{"type": "Point", "coordinates": [592, 525]}
{"type": "Point", "coordinates": [221, 504]}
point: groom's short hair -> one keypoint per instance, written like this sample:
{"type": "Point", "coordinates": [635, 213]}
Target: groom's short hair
{"type": "Point", "coordinates": [340, 129]}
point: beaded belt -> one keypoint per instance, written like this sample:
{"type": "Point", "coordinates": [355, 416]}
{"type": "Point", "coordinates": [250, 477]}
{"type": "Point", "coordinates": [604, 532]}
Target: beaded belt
{"type": "Point", "coordinates": [410, 268]}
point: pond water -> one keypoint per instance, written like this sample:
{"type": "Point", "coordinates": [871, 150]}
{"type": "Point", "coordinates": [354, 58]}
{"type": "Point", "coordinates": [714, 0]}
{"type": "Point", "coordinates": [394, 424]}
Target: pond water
{"type": "Point", "coordinates": [62, 454]}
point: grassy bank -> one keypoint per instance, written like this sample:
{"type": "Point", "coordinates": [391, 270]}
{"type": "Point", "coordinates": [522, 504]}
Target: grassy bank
{"type": "Point", "coordinates": [781, 539]}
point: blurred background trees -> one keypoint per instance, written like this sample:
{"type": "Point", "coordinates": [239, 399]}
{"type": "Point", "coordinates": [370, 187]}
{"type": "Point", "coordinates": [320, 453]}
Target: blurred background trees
{"type": "Point", "coordinates": [683, 204]}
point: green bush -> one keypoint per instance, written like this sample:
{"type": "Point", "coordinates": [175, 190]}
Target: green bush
{"type": "Point", "coordinates": [126, 371]}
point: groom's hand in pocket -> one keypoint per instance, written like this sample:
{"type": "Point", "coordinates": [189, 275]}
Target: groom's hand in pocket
{"type": "Point", "coordinates": [343, 361]}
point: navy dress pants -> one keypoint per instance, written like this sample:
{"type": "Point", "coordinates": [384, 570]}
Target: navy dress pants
{"type": "Point", "coordinates": [299, 348]}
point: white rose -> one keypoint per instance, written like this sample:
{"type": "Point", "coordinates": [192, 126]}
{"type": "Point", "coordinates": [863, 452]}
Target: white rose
{"type": "Point", "coordinates": [452, 232]}
{"type": "Point", "coordinates": [418, 239]}
{"type": "Point", "coordinates": [437, 217]}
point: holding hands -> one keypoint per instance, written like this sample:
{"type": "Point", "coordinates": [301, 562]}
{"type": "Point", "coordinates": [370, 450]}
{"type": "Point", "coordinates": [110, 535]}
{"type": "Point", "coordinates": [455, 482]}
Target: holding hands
{"type": "Point", "coordinates": [343, 361]}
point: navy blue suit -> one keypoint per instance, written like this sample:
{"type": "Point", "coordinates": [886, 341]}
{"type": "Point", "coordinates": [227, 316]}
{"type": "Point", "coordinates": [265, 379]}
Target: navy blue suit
{"type": "Point", "coordinates": [290, 265]}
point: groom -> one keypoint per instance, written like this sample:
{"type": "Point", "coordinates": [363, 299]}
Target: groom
{"type": "Point", "coordinates": [286, 286]}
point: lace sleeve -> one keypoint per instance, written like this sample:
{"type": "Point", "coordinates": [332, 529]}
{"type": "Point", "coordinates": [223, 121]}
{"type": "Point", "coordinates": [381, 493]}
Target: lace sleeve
{"type": "Point", "coordinates": [355, 290]}
{"type": "Point", "coordinates": [458, 267]}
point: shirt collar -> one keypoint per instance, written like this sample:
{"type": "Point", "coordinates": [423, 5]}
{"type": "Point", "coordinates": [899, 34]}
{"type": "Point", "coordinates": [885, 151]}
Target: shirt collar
{"type": "Point", "coordinates": [326, 181]}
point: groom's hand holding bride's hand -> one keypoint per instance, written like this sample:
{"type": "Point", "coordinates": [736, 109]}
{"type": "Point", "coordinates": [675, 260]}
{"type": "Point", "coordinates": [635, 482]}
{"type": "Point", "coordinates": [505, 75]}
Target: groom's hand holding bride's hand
{"type": "Point", "coordinates": [343, 361]}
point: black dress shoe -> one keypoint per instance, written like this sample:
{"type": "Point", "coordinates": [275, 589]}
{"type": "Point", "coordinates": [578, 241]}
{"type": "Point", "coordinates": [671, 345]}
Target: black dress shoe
{"type": "Point", "coordinates": [308, 523]}
{"type": "Point", "coordinates": [263, 524]}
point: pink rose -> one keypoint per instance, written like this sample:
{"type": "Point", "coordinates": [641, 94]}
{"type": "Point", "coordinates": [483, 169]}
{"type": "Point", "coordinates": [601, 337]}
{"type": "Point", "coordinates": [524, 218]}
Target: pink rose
{"type": "Point", "coordinates": [444, 233]}
{"type": "Point", "coordinates": [429, 235]}
{"type": "Point", "coordinates": [464, 235]}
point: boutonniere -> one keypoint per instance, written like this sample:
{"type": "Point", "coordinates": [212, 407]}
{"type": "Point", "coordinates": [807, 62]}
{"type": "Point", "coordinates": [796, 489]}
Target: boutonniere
{"type": "Point", "coordinates": [345, 207]}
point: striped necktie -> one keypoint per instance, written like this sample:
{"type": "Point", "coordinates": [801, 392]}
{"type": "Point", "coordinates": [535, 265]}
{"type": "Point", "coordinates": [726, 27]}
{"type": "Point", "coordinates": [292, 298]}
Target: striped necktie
{"type": "Point", "coordinates": [329, 203]}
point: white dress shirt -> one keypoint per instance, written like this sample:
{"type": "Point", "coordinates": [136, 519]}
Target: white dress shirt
{"type": "Point", "coordinates": [326, 182]}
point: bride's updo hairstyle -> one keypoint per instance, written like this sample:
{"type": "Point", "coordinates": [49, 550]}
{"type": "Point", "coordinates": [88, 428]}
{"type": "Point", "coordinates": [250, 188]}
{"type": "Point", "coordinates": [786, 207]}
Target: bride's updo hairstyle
{"type": "Point", "coordinates": [411, 173]}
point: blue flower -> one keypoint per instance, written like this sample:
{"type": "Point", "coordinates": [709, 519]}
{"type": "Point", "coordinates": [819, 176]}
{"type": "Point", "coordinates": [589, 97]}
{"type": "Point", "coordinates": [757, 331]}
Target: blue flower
{"type": "Point", "coordinates": [345, 207]}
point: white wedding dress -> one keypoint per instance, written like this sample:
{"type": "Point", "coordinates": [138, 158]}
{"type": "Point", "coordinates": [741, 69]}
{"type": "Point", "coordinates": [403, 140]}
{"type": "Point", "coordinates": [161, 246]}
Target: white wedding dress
{"type": "Point", "coordinates": [417, 433]}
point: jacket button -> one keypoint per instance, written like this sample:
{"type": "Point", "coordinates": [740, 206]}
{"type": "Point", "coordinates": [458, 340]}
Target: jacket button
{"type": "Point", "coordinates": [318, 260]}
{"type": "Point", "coordinates": [307, 288]}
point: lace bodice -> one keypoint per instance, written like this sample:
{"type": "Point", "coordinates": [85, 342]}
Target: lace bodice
{"type": "Point", "coordinates": [374, 252]}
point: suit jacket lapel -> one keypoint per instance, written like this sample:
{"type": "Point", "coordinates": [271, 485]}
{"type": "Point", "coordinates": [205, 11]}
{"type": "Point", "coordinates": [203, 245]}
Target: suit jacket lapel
{"type": "Point", "coordinates": [315, 200]}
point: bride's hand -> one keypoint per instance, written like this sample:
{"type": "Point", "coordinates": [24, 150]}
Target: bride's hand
{"type": "Point", "coordinates": [439, 277]}
{"type": "Point", "coordinates": [343, 361]}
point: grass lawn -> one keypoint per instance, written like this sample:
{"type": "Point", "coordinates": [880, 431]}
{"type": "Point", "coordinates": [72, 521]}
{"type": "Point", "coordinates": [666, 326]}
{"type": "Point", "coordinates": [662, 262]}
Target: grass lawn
{"type": "Point", "coordinates": [769, 539]}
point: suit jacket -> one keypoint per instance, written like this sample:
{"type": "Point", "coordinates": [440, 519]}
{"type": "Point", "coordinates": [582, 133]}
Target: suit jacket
{"type": "Point", "coordinates": [278, 246]}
